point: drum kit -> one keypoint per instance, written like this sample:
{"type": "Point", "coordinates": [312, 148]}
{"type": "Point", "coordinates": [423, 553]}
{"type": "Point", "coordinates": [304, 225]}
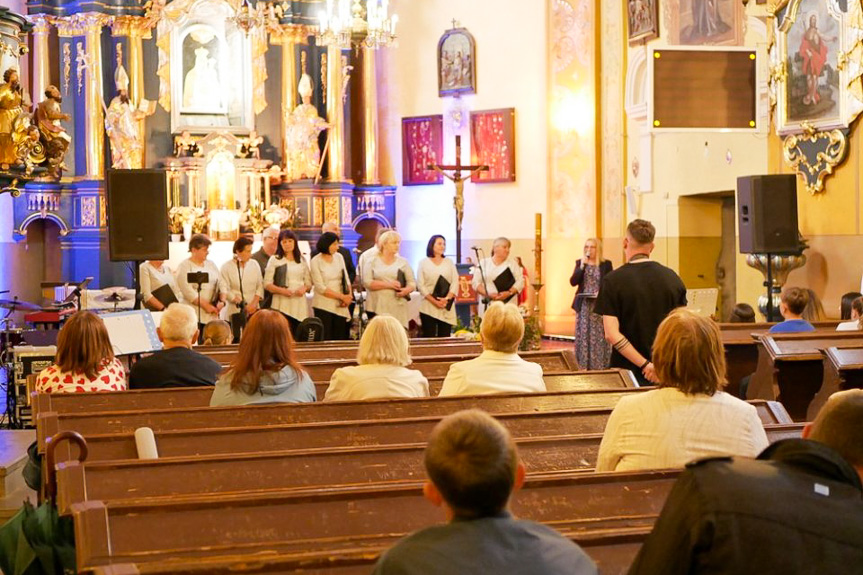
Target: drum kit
{"type": "Point", "coordinates": [13, 342]}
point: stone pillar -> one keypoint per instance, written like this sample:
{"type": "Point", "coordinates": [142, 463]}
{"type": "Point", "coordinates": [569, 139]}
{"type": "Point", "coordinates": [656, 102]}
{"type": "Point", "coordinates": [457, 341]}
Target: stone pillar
{"type": "Point", "coordinates": [40, 74]}
{"type": "Point", "coordinates": [335, 115]}
{"type": "Point", "coordinates": [370, 118]}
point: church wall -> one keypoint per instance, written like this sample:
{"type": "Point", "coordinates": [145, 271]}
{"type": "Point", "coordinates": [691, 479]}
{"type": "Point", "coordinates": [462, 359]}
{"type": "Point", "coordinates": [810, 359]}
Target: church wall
{"type": "Point", "coordinates": [511, 72]}
{"type": "Point", "coordinates": [664, 168]}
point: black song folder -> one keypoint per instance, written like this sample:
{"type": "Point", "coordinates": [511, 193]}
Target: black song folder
{"type": "Point", "coordinates": [504, 282]}
{"type": "Point", "coordinates": [441, 290]}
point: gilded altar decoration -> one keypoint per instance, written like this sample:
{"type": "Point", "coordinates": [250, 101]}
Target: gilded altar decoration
{"type": "Point", "coordinates": [186, 146]}
{"type": "Point", "coordinates": [80, 64]}
{"type": "Point", "coordinates": [324, 78]}
{"type": "Point", "coordinates": [121, 124]}
{"type": "Point", "coordinates": [211, 74]}
{"type": "Point", "coordinates": [331, 209]}
{"type": "Point", "coordinates": [67, 66]}
{"type": "Point", "coordinates": [347, 211]}
{"type": "Point", "coordinates": [456, 63]}
{"type": "Point", "coordinates": [54, 138]}
{"type": "Point", "coordinates": [812, 76]}
{"type": "Point", "coordinates": [303, 127]}
{"type": "Point", "coordinates": [13, 126]}
{"type": "Point", "coordinates": [88, 212]}
{"type": "Point", "coordinates": [814, 155]}
{"type": "Point", "coordinates": [251, 147]}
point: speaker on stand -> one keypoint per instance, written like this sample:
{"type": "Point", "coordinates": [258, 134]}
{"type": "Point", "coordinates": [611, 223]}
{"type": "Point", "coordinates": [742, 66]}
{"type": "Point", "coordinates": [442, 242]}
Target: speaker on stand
{"type": "Point", "coordinates": [767, 221]}
{"type": "Point", "coordinates": [137, 219]}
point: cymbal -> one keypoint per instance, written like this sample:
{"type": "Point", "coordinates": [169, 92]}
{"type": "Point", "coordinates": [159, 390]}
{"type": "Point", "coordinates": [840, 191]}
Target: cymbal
{"type": "Point", "coordinates": [113, 297]}
{"type": "Point", "coordinates": [15, 304]}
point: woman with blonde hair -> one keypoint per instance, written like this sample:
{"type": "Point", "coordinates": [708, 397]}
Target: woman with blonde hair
{"type": "Point", "coordinates": [85, 359]}
{"type": "Point", "coordinates": [688, 417]}
{"type": "Point", "coordinates": [498, 271]}
{"type": "Point", "coordinates": [265, 370]}
{"type": "Point", "coordinates": [383, 356]}
{"type": "Point", "coordinates": [390, 276]}
{"type": "Point", "coordinates": [591, 349]}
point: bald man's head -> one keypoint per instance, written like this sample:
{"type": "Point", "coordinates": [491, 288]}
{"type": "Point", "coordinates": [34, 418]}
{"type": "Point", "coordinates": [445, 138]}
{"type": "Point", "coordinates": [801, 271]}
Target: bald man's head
{"type": "Point", "coordinates": [331, 227]}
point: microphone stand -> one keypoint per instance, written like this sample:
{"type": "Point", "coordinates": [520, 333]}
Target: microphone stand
{"type": "Point", "coordinates": [486, 299]}
{"type": "Point", "coordinates": [361, 298]}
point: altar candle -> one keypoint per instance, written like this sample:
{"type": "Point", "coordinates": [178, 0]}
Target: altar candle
{"type": "Point", "coordinates": [538, 248]}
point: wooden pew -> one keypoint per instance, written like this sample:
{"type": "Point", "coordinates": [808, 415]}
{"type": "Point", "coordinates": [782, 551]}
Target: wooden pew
{"type": "Point", "coordinates": [843, 369]}
{"type": "Point", "coordinates": [200, 396]}
{"type": "Point", "coordinates": [227, 441]}
{"type": "Point", "coordinates": [169, 478]}
{"type": "Point", "coordinates": [552, 361]}
{"type": "Point", "coordinates": [91, 423]}
{"type": "Point", "coordinates": [790, 367]}
{"type": "Point", "coordinates": [307, 520]}
{"type": "Point", "coordinates": [741, 348]}
{"type": "Point", "coordinates": [226, 354]}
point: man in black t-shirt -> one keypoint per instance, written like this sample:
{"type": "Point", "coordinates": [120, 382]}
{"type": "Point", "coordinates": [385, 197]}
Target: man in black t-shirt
{"type": "Point", "coordinates": [634, 299]}
{"type": "Point", "coordinates": [176, 365]}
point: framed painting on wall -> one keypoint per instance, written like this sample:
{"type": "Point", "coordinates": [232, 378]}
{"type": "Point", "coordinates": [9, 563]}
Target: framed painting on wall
{"type": "Point", "coordinates": [456, 63]}
{"type": "Point", "coordinates": [492, 143]}
{"type": "Point", "coordinates": [422, 144]}
{"type": "Point", "coordinates": [643, 19]}
{"type": "Point", "coordinates": [814, 86]}
{"type": "Point", "coordinates": [705, 22]}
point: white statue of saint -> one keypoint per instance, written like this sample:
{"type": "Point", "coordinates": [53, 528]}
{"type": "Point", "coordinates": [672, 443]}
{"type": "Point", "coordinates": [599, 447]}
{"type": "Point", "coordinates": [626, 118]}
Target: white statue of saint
{"type": "Point", "coordinates": [303, 127]}
{"type": "Point", "coordinates": [121, 124]}
{"type": "Point", "coordinates": [201, 88]}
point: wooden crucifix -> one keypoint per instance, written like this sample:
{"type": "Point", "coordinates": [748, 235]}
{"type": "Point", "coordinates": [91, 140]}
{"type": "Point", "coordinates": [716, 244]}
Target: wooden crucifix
{"type": "Point", "coordinates": [458, 180]}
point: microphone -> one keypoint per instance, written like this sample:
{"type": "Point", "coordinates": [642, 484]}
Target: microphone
{"type": "Point", "coordinates": [475, 248]}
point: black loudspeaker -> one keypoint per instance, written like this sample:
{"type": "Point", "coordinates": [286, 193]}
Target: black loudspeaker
{"type": "Point", "coordinates": [137, 215]}
{"type": "Point", "coordinates": [767, 214]}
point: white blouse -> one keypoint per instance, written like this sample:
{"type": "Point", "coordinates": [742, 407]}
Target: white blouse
{"type": "Point", "coordinates": [252, 284]}
{"type": "Point", "coordinates": [493, 270]}
{"type": "Point", "coordinates": [329, 275]}
{"type": "Point", "coordinates": [387, 300]}
{"type": "Point", "coordinates": [152, 279]}
{"type": "Point", "coordinates": [208, 290]}
{"type": "Point", "coordinates": [665, 428]}
{"type": "Point", "coordinates": [375, 381]}
{"type": "Point", "coordinates": [427, 276]}
{"type": "Point", "coordinates": [297, 275]}
{"type": "Point", "coordinates": [364, 268]}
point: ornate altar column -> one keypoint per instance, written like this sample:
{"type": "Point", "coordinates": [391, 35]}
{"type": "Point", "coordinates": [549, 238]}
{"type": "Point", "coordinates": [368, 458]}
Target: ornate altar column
{"type": "Point", "coordinates": [335, 115]}
{"type": "Point", "coordinates": [135, 28]}
{"type": "Point", "coordinates": [94, 119]}
{"type": "Point", "coordinates": [288, 40]}
{"type": "Point", "coordinates": [40, 72]}
{"type": "Point", "coordinates": [370, 116]}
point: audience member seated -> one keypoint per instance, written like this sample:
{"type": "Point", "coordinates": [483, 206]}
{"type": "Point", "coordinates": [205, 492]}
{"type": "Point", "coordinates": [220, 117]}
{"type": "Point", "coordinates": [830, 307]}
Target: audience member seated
{"type": "Point", "coordinates": [381, 373]}
{"type": "Point", "coordinates": [814, 310]}
{"type": "Point", "coordinates": [177, 365]}
{"type": "Point", "coordinates": [852, 309]}
{"type": "Point", "coordinates": [688, 416]}
{"type": "Point", "coordinates": [473, 469]}
{"type": "Point", "coordinates": [797, 509]}
{"type": "Point", "coordinates": [498, 369]}
{"type": "Point", "coordinates": [85, 359]}
{"type": "Point", "coordinates": [217, 332]}
{"type": "Point", "coordinates": [264, 370]}
{"type": "Point", "coordinates": [792, 304]}
{"type": "Point", "coordinates": [742, 313]}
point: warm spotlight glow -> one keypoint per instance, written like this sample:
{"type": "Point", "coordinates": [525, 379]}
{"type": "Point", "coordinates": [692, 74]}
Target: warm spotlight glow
{"type": "Point", "coordinates": [573, 113]}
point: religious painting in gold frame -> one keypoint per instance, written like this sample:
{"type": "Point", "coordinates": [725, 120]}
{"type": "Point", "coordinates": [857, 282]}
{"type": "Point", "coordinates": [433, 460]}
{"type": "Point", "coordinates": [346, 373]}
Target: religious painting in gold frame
{"type": "Point", "coordinates": [422, 144]}
{"type": "Point", "coordinates": [642, 17]}
{"type": "Point", "coordinates": [705, 22]}
{"type": "Point", "coordinates": [815, 87]}
{"type": "Point", "coordinates": [492, 144]}
{"type": "Point", "coordinates": [456, 63]}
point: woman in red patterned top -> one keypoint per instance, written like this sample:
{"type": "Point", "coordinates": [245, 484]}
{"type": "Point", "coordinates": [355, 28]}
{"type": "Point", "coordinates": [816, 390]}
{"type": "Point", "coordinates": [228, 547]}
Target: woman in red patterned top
{"type": "Point", "coordinates": [84, 361]}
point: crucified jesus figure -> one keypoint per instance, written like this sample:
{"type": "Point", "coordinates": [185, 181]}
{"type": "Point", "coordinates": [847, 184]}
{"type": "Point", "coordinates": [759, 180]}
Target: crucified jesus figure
{"type": "Point", "coordinates": [458, 179]}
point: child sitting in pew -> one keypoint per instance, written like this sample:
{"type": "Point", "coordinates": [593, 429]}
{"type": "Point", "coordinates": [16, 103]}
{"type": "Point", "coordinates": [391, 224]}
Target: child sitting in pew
{"type": "Point", "coordinates": [473, 469]}
{"type": "Point", "coordinates": [217, 332]}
